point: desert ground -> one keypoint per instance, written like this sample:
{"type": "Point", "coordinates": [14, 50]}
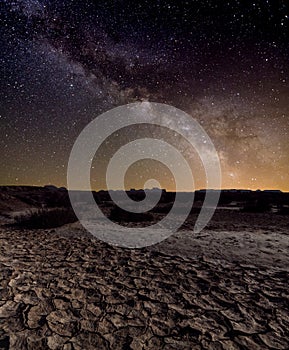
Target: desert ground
{"type": "Point", "coordinates": [224, 288]}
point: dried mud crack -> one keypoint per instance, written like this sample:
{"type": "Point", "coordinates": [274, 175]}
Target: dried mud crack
{"type": "Point", "coordinates": [74, 292]}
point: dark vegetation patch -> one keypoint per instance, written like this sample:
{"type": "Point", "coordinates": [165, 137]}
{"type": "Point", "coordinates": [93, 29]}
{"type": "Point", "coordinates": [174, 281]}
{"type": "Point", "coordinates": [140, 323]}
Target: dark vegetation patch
{"type": "Point", "coordinates": [119, 215]}
{"type": "Point", "coordinates": [46, 218]}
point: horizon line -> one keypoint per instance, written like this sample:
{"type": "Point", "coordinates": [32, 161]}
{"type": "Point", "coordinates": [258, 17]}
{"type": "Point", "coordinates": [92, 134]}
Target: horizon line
{"type": "Point", "coordinates": [150, 189]}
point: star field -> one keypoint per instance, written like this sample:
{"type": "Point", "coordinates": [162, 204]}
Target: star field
{"type": "Point", "coordinates": [65, 62]}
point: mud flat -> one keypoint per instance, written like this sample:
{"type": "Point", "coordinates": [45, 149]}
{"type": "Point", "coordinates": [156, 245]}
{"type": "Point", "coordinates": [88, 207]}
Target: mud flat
{"type": "Point", "coordinates": [221, 289]}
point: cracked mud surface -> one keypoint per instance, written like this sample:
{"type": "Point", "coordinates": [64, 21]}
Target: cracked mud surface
{"type": "Point", "coordinates": [61, 291]}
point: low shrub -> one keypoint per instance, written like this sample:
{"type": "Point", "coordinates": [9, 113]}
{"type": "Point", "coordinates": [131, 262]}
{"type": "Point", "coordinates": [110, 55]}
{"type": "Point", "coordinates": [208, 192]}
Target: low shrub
{"type": "Point", "coordinates": [166, 208]}
{"type": "Point", "coordinates": [258, 206]}
{"type": "Point", "coordinates": [46, 218]}
{"type": "Point", "coordinates": [284, 210]}
{"type": "Point", "coordinates": [119, 215]}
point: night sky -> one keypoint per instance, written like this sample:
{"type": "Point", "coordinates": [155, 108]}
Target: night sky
{"type": "Point", "coordinates": [226, 63]}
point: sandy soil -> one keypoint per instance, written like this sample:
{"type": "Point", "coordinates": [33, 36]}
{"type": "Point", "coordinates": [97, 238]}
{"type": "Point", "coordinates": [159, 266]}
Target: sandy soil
{"type": "Point", "coordinates": [226, 288]}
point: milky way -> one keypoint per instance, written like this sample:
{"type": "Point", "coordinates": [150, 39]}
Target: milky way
{"type": "Point", "coordinates": [225, 63]}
